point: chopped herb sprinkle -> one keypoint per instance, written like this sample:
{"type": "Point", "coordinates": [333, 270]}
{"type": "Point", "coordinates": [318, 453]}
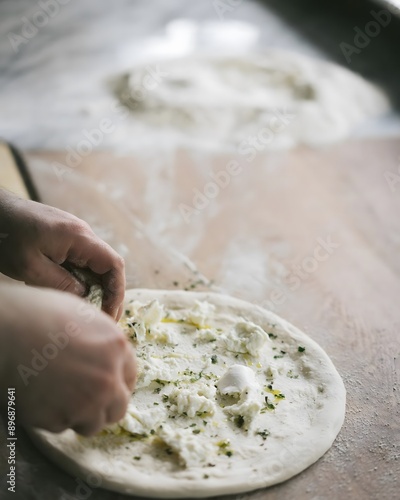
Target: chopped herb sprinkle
{"type": "Point", "coordinates": [264, 434]}
{"type": "Point", "coordinates": [239, 421]}
{"type": "Point", "coordinates": [301, 349]}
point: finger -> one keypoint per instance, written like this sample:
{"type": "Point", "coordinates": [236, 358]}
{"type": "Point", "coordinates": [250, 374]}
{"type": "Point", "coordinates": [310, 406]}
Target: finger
{"type": "Point", "coordinates": [129, 368]}
{"type": "Point", "coordinates": [119, 313]}
{"type": "Point", "coordinates": [90, 427]}
{"type": "Point", "coordinates": [89, 251]}
{"type": "Point", "coordinates": [114, 292]}
{"type": "Point", "coordinates": [46, 273]}
{"type": "Point", "coordinates": [117, 408]}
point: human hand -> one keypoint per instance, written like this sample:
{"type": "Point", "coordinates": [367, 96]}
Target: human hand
{"type": "Point", "coordinates": [41, 238]}
{"type": "Point", "coordinates": [70, 364]}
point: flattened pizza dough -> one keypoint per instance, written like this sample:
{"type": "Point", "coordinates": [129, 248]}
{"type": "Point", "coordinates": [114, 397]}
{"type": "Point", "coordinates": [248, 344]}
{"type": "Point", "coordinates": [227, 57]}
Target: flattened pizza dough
{"type": "Point", "coordinates": [230, 398]}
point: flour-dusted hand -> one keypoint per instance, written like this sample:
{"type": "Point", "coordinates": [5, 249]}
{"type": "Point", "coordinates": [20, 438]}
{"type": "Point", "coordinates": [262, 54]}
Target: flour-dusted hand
{"type": "Point", "coordinates": [70, 364]}
{"type": "Point", "coordinates": [38, 239]}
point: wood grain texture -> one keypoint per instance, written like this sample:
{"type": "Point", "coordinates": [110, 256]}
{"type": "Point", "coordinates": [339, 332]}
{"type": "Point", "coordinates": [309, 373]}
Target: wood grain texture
{"type": "Point", "coordinates": [313, 235]}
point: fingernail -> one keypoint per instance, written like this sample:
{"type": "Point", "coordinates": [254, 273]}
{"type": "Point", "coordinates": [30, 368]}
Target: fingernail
{"type": "Point", "coordinates": [79, 289]}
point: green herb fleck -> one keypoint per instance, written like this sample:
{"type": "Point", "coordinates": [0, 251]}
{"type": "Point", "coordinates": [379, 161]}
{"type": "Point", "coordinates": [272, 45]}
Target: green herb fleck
{"type": "Point", "coordinates": [137, 458]}
{"type": "Point", "coordinates": [196, 431]}
{"type": "Point", "coordinates": [160, 382]}
{"type": "Point", "coordinates": [239, 421]}
{"type": "Point", "coordinates": [264, 434]}
{"type": "Point", "coordinates": [268, 405]}
{"type": "Point", "coordinates": [272, 336]}
{"type": "Point", "coordinates": [214, 359]}
{"type": "Point", "coordinates": [301, 349]}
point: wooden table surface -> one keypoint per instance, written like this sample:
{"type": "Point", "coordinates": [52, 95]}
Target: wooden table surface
{"type": "Point", "coordinates": [313, 235]}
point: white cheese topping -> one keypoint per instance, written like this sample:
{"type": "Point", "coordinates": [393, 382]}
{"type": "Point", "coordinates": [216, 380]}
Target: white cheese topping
{"type": "Point", "coordinates": [245, 338]}
{"type": "Point", "coordinates": [191, 451]}
{"type": "Point", "coordinates": [237, 380]}
{"type": "Point", "coordinates": [189, 402]}
{"type": "Point", "coordinates": [201, 313]}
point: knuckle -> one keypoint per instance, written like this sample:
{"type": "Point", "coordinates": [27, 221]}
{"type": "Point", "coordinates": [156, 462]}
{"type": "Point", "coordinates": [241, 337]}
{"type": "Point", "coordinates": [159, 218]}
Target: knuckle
{"type": "Point", "coordinates": [121, 342]}
{"type": "Point", "coordinates": [75, 225]}
{"type": "Point", "coordinates": [82, 226]}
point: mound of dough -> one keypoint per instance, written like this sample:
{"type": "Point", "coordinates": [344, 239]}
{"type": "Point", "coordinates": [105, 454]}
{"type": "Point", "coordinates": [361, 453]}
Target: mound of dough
{"type": "Point", "coordinates": [230, 398]}
{"type": "Point", "coordinates": [287, 98]}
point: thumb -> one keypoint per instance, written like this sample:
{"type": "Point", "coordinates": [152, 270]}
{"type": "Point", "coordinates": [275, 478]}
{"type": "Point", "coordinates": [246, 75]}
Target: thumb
{"type": "Point", "coordinates": [48, 274]}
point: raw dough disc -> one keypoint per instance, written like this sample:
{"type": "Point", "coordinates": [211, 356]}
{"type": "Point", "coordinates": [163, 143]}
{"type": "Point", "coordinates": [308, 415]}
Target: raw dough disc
{"type": "Point", "coordinates": [230, 398]}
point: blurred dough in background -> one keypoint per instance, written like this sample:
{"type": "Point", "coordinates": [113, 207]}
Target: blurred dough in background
{"type": "Point", "coordinates": [271, 100]}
